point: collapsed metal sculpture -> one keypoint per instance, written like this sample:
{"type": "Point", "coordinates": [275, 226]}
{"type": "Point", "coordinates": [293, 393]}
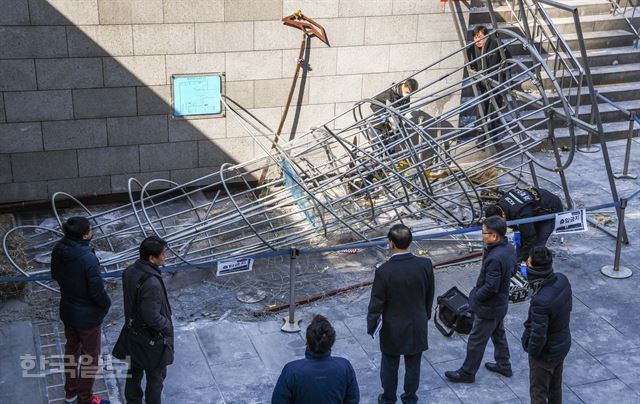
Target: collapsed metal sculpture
{"type": "Point", "coordinates": [337, 179]}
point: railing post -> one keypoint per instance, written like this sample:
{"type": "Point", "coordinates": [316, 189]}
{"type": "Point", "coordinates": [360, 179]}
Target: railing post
{"type": "Point", "coordinates": [616, 271]}
{"type": "Point", "coordinates": [627, 154]}
{"type": "Point", "coordinates": [291, 323]}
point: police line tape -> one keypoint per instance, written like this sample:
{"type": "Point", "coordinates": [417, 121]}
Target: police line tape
{"type": "Point", "coordinates": [301, 251]}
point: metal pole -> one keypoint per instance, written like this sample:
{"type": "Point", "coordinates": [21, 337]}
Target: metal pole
{"type": "Point", "coordinates": [291, 323]}
{"type": "Point", "coordinates": [627, 154]}
{"type": "Point", "coordinates": [615, 270]}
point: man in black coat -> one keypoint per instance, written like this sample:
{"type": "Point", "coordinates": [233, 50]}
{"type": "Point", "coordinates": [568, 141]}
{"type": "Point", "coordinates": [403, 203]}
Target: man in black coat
{"type": "Point", "coordinates": [546, 337]}
{"type": "Point", "coordinates": [489, 301]}
{"type": "Point", "coordinates": [152, 307]}
{"type": "Point", "coordinates": [319, 378]}
{"type": "Point", "coordinates": [401, 298]}
{"type": "Point", "coordinates": [83, 305]}
{"type": "Point", "coordinates": [521, 203]}
{"type": "Point", "coordinates": [398, 98]}
{"type": "Point", "coordinates": [484, 56]}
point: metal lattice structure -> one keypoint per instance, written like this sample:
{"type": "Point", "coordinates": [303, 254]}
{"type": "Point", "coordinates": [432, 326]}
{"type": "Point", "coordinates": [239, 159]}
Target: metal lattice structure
{"type": "Point", "coordinates": [347, 178]}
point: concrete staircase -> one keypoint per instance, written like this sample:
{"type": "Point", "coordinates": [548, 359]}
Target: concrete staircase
{"type": "Point", "coordinates": [612, 53]}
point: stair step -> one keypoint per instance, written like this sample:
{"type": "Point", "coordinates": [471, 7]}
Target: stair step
{"type": "Point", "coordinates": [608, 112]}
{"type": "Point", "coordinates": [601, 39]}
{"type": "Point", "coordinates": [614, 74]}
{"type": "Point", "coordinates": [585, 7]}
{"type": "Point", "coordinates": [596, 57]}
{"type": "Point", "coordinates": [612, 131]}
{"type": "Point", "coordinates": [615, 92]}
{"type": "Point", "coordinates": [588, 23]}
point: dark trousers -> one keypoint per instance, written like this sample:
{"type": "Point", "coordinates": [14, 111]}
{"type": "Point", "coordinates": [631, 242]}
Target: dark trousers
{"type": "Point", "coordinates": [544, 229]}
{"type": "Point", "coordinates": [482, 330]}
{"type": "Point", "coordinates": [82, 353]}
{"type": "Point", "coordinates": [545, 380]}
{"type": "Point", "coordinates": [389, 377]}
{"type": "Point", "coordinates": [153, 391]}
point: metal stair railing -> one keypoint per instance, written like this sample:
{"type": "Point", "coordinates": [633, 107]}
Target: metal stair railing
{"type": "Point", "coordinates": [533, 19]}
{"type": "Point", "coordinates": [617, 9]}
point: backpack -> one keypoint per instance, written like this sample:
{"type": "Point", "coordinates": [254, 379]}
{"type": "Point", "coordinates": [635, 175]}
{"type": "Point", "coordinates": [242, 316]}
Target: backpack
{"type": "Point", "coordinates": [453, 311]}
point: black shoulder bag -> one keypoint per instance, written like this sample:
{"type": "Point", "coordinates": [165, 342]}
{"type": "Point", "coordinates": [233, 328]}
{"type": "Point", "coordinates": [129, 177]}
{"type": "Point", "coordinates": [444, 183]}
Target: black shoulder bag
{"type": "Point", "coordinates": [145, 346]}
{"type": "Point", "coordinates": [453, 310]}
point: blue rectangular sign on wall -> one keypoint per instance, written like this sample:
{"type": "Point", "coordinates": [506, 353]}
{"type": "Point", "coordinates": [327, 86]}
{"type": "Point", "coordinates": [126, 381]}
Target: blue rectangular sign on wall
{"type": "Point", "coordinates": [196, 95]}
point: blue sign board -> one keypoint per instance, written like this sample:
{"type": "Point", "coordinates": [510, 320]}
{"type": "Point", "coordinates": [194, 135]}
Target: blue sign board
{"type": "Point", "coordinates": [197, 95]}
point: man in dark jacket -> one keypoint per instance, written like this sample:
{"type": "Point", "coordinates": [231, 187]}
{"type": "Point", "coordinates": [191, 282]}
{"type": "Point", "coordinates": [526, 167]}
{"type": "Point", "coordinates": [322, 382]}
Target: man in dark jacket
{"type": "Point", "coordinates": [484, 56]}
{"type": "Point", "coordinates": [398, 98]}
{"type": "Point", "coordinates": [83, 306]}
{"type": "Point", "coordinates": [546, 337]}
{"type": "Point", "coordinates": [523, 203]}
{"type": "Point", "coordinates": [319, 378]}
{"type": "Point", "coordinates": [489, 301]}
{"type": "Point", "coordinates": [152, 307]}
{"type": "Point", "coordinates": [401, 299]}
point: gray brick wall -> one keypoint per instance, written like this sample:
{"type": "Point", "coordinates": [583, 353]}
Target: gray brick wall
{"type": "Point", "coordinates": [85, 91]}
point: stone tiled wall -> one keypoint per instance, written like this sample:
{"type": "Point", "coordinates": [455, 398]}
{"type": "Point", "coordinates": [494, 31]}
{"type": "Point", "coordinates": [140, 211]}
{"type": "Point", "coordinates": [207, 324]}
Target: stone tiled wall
{"type": "Point", "coordinates": [84, 84]}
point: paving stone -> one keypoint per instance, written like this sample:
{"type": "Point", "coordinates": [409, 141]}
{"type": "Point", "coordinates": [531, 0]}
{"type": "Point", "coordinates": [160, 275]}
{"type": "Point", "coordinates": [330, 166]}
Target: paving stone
{"type": "Point", "coordinates": [363, 59]}
{"type": "Point", "coordinates": [3, 117]}
{"type": "Point", "coordinates": [605, 391]}
{"type": "Point", "coordinates": [444, 349]}
{"type": "Point", "coordinates": [167, 156]}
{"type": "Point", "coordinates": [196, 129]}
{"type": "Point", "coordinates": [313, 8]}
{"type": "Point", "coordinates": [350, 349]}
{"type": "Point", "coordinates": [488, 387]}
{"type": "Point", "coordinates": [256, 386]}
{"type": "Point", "coordinates": [193, 11]}
{"type": "Point", "coordinates": [384, 30]}
{"type": "Point", "coordinates": [119, 183]}
{"type": "Point", "coordinates": [137, 130]}
{"type": "Point", "coordinates": [17, 75]}
{"type": "Point", "coordinates": [79, 187]}
{"type": "Point", "coordinates": [69, 73]}
{"type": "Point", "coordinates": [134, 71]}
{"type": "Point", "coordinates": [104, 102]}
{"type": "Point", "coordinates": [625, 365]}
{"type": "Point", "coordinates": [357, 8]}
{"type": "Point", "coordinates": [624, 318]}
{"type": "Point", "coordinates": [195, 63]}
{"type": "Point", "coordinates": [33, 42]}
{"type": "Point", "coordinates": [76, 134]}
{"type": "Point", "coordinates": [278, 349]}
{"type": "Point", "coordinates": [108, 160]}
{"type": "Point", "coordinates": [14, 12]}
{"type": "Point", "coordinates": [20, 137]}
{"type": "Point", "coordinates": [17, 340]}
{"type": "Point", "coordinates": [162, 39]}
{"type": "Point", "coordinates": [225, 343]}
{"type": "Point", "coordinates": [224, 151]}
{"type": "Point", "coordinates": [581, 368]}
{"type": "Point", "coordinates": [418, 7]}
{"type": "Point", "coordinates": [38, 105]}
{"type": "Point", "coordinates": [249, 10]}
{"type": "Point", "coordinates": [63, 12]}
{"type": "Point", "coordinates": [44, 165]}
{"type": "Point", "coordinates": [100, 40]}
{"type": "Point", "coordinates": [596, 335]}
{"type": "Point", "coordinates": [23, 191]}
{"type": "Point", "coordinates": [190, 375]}
{"type": "Point", "coordinates": [224, 37]}
{"type": "Point", "coordinates": [5, 168]}
{"type": "Point", "coordinates": [130, 12]}
{"type": "Point", "coordinates": [154, 100]}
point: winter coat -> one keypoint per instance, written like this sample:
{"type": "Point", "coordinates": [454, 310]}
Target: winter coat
{"type": "Point", "coordinates": [489, 299]}
{"type": "Point", "coordinates": [152, 304]}
{"type": "Point", "coordinates": [546, 332]}
{"type": "Point", "coordinates": [83, 301]}
{"type": "Point", "coordinates": [402, 293]}
{"type": "Point", "coordinates": [317, 379]}
{"type": "Point", "coordinates": [390, 96]}
{"type": "Point", "coordinates": [524, 203]}
{"type": "Point", "coordinates": [493, 60]}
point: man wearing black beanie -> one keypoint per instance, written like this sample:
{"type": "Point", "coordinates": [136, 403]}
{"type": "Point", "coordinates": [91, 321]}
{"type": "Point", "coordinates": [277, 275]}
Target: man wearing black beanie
{"type": "Point", "coordinates": [546, 337]}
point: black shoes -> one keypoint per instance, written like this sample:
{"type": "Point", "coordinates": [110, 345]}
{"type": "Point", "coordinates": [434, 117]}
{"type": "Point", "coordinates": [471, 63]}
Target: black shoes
{"type": "Point", "coordinates": [459, 376]}
{"type": "Point", "coordinates": [504, 371]}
